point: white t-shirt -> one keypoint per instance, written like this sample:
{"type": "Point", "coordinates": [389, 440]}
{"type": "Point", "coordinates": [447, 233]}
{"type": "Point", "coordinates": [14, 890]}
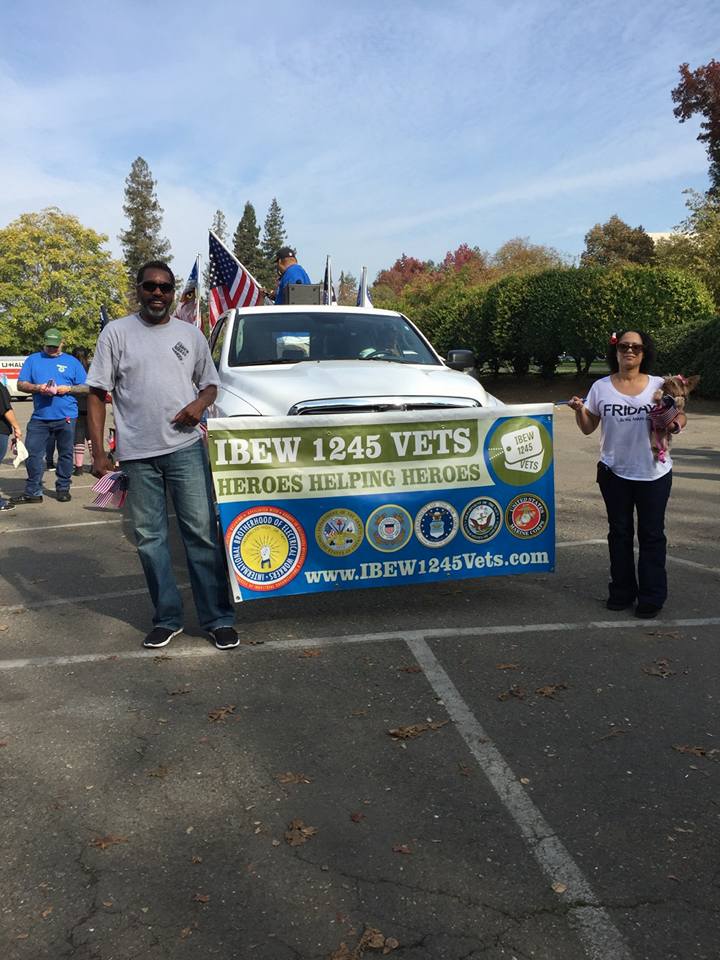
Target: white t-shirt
{"type": "Point", "coordinates": [625, 430]}
{"type": "Point", "coordinates": [152, 372]}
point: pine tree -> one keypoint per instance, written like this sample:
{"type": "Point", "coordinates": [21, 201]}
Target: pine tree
{"type": "Point", "coordinates": [246, 242]}
{"type": "Point", "coordinates": [273, 238]}
{"type": "Point", "coordinates": [142, 240]}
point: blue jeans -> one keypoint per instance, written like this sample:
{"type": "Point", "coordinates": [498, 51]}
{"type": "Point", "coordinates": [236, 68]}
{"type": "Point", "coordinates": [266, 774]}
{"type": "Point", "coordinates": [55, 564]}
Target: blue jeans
{"type": "Point", "coordinates": [4, 441]}
{"type": "Point", "coordinates": [622, 499]}
{"type": "Point", "coordinates": [38, 433]}
{"type": "Point", "coordinates": [185, 475]}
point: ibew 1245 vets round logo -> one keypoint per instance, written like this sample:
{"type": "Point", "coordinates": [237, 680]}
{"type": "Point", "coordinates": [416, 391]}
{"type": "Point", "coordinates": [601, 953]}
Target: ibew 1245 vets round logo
{"type": "Point", "coordinates": [267, 547]}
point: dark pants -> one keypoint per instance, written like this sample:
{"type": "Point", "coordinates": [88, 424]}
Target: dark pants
{"type": "Point", "coordinates": [622, 499]}
{"type": "Point", "coordinates": [37, 436]}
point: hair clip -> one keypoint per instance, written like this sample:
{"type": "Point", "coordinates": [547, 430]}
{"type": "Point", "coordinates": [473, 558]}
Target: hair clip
{"type": "Point", "coordinates": [682, 379]}
{"type": "Point", "coordinates": [613, 338]}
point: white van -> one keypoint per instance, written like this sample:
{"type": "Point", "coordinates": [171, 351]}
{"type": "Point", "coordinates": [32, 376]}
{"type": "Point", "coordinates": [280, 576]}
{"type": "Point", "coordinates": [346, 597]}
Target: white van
{"type": "Point", "coordinates": [9, 369]}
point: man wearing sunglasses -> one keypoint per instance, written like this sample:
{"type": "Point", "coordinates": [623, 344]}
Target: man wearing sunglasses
{"type": "Point", "coordinates": [160, 374]}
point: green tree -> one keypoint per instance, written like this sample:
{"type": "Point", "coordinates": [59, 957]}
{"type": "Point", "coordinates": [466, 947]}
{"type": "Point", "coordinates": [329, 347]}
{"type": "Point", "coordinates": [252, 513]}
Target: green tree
{"type": "Point", "coordinates": [518, 255]}
{"type": "Point", "coordinates": [695, 248]}
{"type": "Point", "coordinates": [273, 238]}
{"type": "Point", "coordinates": [615, 243]}
{"type": "Point", "coordinates": [55, 272]}
{"type": "Point", "coordinates": [699, 93]}
{"type": "Point", "coordinates": [246, 242]}
{"type": "Point", "coordinates": [142, 240]}
{"type": "Point", "coordinates": [347, 290]}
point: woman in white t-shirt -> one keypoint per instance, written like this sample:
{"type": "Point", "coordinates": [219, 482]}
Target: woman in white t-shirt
{"type": "Point", "coordinates": [631, 479]}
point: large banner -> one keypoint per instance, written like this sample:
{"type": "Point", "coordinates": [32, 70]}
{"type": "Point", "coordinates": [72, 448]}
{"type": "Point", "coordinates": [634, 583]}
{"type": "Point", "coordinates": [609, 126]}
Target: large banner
{"type": "Point", "coordinates": [341, 502]}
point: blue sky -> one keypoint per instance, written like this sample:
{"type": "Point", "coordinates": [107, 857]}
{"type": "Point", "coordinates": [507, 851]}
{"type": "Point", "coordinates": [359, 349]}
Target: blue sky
{"type": "Point", "coordinates": [381, 127]}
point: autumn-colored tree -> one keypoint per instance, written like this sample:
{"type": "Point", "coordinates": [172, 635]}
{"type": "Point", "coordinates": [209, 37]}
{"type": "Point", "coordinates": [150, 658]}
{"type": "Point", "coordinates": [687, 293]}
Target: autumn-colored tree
{"type": "Point", "coordinates": [615, 243]}
{"type": "Point", "coordinates": [55, 272]}
{"type": "Point", "coordinates": [472, 262]}
{"type": "Point", "coordinates": [402, 272]}
{"type": "Point", "coordinates": [347, 290]}
{"type": "Point", "coordinates": [699, 93]}
{"type": "Point", "coordinates": [518, 255]}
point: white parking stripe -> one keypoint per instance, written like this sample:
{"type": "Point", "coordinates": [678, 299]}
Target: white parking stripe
{"type": "Point", "coordinates": [301, 643]}
{"type": "Point", "coordinates": [591, 922]}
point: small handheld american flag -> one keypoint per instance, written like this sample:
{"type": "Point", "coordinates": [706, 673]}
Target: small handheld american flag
{"type": "Point", "coordinates": [111, 490]}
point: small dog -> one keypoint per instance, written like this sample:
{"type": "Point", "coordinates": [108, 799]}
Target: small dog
{"type": "Point", "coordinates": [669, 400]}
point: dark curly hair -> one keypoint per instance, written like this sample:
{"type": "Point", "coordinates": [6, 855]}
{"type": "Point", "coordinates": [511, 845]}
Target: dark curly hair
{"type": "Point", "coordinates": [648, 357]}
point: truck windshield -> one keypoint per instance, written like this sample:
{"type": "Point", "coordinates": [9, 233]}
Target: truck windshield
{"type": "Point", "coordinates": [296, 337]}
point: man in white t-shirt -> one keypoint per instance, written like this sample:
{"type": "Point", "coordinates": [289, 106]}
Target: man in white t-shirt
{"type": "Point", "coordinates": [161, 377]}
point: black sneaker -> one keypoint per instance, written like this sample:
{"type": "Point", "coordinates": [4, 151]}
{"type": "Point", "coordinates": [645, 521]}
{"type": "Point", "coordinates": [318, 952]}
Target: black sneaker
{"type": "Point", "coordinates": [62, 496]}
{"type": "Point", "coordinates": [619, 604]}
{"type": "Point", "coordinates": [6, 505]}
{"type": "Point", "coordinates": [25, 498]}
{"type": "Point", "coordinates": [225, 637]}
{"type": "Point", "coordinates": [647, 611]}
{"type": "Point", "coordinates": [49, 465]}
{"type": "Point", "coordinates": [78, 472]}
{"type": "Point", "coordinates": [160, 636]}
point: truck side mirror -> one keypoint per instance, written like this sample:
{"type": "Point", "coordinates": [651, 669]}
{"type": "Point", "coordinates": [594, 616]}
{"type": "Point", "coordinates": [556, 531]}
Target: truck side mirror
{"type": "Point", "coordinates": [460, 359]}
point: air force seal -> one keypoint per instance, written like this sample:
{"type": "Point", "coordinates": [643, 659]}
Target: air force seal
{"type": "Point", "coordinates": [266, 547]}
{"type": "Point", "coordinates": [436, 523]}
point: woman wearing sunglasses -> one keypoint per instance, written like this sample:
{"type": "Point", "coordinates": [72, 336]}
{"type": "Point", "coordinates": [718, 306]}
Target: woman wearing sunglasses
{"type": "Point", "coordinates": [631, 480]}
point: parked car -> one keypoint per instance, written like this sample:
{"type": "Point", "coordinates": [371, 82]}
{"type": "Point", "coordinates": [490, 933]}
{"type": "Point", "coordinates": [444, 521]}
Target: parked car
{"type": "Point", "coordinates": [297, 360]}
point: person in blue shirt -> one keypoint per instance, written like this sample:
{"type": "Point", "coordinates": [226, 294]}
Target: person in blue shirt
{"type": "Point", "coordinates": [54, 379]}
{"type": "Point", "coordinates": [289, 271]}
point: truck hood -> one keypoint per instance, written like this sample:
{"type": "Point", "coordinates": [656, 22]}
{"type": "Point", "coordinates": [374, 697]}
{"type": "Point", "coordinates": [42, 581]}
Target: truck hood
{"type": "Point", "coordinates": [272, 390]}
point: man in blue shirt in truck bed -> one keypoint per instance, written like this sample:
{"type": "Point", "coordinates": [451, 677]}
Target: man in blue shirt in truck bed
{"type": "Point", "coordinates": [289, 271]}
{"type": "Point", "coordinates": [52, 377]}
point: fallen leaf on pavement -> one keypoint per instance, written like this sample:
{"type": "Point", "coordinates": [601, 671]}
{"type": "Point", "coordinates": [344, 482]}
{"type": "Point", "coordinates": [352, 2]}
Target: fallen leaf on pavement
{"type": "Point", "coordinates": [251, 641]}
{"type": "Point", "coordinates": [359, 713]}
{"type": "Point", "coordinates": [3, 743]}
{"type": "Point", "coordinates": [695, 751]}
{"type": "Point", "coordinates": [412, 668]}
{"type": "Point", "coordinates": [161, 658]}
{"type": "Point", "coordinates": [214, 716]}
{"type": "Point", "coordinates": [160, 772]}
{"type": "Point", "coordinates": [102, 843]}
{"type": "Point", "coordinates": [343, 952]}
{"type": "Point", "coordinates": [107, 903]}
{"type": "Point", "coordinates": [3, 626]}
{"type": "Point", "coordinates": [290, 777]}
{"type": "Point", "coordinates": [518, 693]}
{"type": "Point", "coordinates": [314, 652]}
{"type": "Point", "coordinates": [201, 898]}
{"type": "Point", "coordinates": [297, 833]}
{"type": "Point", "coordinates": [22, 936]}
{"type": "Point", "coordinates": [401, 848]}
{"type": "Point", "coordinates": [46, 912]}
{"type": "Point", "coordinates": [507, 666]}
{"type": "Point", "coordinates": [660, 668]}
{"type": "Point", "coordinates": [179, 692]}
{"type": "Point", "coordinates": [196, 859]}
{"type": "Point", "coordinates": [559, 887]}
{"type": "Point", "coordinates": [415, 729]}
{"type": "Point", "coordinates": [464, 769]}
{"type": "Point", "coordinates": [185, 933]}
{"type": "Point", "coordinates": [551, 689]}
{"type": "Point", "coordinates": [357, 817]}
{"type": "Point", "coordinates": [616, 732]}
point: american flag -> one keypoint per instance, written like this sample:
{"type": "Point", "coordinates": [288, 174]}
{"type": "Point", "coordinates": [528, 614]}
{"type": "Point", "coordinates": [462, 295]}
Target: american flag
{"type": "Point", "coordinates": [231, 285]}
{"type": "Point", "coordinates": [188, 308]}
{"type": "Point", "coordinates": [328, 295]}
{"type": "Point", "coordinates": [104, 318]}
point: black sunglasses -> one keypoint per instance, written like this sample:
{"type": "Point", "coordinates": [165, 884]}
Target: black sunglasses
{"type": "Point", "coordinates": [628, 347]}
{"type": "Point", "coordinates": [150, 285]}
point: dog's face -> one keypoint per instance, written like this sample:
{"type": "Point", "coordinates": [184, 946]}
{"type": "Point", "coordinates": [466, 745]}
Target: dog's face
{"type": "Point", "coordinates": [679, 388]}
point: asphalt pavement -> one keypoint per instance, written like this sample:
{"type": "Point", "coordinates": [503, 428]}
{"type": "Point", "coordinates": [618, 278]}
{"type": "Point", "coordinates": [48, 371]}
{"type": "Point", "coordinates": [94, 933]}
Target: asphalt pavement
{"type": "Point", "coordinates": [549, 790]}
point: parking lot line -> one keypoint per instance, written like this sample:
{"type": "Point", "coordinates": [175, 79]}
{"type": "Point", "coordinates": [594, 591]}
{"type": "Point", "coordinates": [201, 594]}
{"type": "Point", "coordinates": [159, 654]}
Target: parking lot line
{"type": "Point", "coordinates": [591, 922]}
{"type": "Point", "coordinates": [406, 636]}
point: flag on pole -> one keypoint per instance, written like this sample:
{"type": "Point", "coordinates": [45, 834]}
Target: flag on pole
{"type": "Point", "coordinates": [231, 284]}
{"type": "Point", "coordinates": [104, 318]}
{"type": "Point", "coordinates": [328, 295]}
{"type": "Point", "coordinates": [363, 297]}
{"type": "Point", "coordinates": [188, 308]}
